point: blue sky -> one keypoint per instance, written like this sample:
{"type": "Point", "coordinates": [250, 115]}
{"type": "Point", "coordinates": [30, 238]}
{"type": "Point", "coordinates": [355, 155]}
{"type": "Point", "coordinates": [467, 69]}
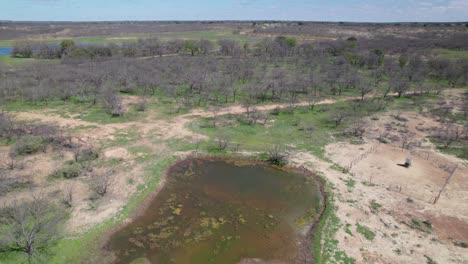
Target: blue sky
{"type": "Point", "coordinates": [314, 10]}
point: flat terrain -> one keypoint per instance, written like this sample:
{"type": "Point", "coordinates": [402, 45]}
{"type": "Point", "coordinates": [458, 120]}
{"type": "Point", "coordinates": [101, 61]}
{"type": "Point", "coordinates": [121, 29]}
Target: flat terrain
{"type": "Point", "coordinates": [133, 150]}
{"type": "Point", "coordinates": [119, 122]}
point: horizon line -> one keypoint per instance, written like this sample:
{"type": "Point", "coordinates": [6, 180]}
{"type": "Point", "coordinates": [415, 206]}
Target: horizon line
{"type": "Point", "coordinates": [235, 20]}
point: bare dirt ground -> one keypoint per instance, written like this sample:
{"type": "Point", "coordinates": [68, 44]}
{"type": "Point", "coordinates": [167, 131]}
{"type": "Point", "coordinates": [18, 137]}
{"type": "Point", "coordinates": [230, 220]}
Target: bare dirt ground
{"type": "Point", "coordinates": [403, 193]}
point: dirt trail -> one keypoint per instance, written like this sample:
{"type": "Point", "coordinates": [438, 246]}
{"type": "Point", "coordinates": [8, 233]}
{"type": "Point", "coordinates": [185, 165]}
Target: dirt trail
{"type": "Point", "coordinates": [171, 128]}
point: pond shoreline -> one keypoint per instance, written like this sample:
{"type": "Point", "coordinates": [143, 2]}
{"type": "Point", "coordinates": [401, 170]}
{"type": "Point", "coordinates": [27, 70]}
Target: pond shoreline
{"type": "Point", "coordinates": [305, 254]}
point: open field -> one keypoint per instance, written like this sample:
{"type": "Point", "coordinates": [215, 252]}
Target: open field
{"type": "Point", "coordinates": [212, 35]}
{"type": "Point", "coordinates": [91, 136]}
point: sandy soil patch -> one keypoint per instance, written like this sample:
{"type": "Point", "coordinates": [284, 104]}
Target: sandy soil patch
{"type": "Point", "coordinates": [116, 153]}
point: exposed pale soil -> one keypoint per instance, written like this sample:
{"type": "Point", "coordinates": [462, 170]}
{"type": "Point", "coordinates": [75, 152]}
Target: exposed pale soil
{"type": "Point", "coordinates": [405, 194]}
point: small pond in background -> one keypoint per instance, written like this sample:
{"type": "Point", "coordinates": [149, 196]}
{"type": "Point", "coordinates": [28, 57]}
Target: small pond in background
{"type": "Point", "coordinates": [5, 51]}
{"type": "Point", "coordinates": [223, 211]}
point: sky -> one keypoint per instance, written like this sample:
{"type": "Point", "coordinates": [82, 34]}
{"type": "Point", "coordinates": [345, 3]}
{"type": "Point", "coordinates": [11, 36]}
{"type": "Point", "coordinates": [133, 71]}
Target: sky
{"type": "Point", "coordinates": [307, 10]}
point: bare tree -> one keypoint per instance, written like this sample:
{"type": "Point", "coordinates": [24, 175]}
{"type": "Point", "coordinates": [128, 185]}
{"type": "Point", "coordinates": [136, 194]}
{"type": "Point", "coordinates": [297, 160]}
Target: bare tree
{"type": "Point", "coordinates": [206, 46]}
{"type": "Point", "coordinates": [277, 155]}
{"type": "Point", "coordinates": [113, 103]}
{"type": "Point", "coordinates": [215, 111]}
{"type": "Point", "coordinates": [449, 133]}
{"type": "Point", "coordinates": [408, 140]}
{"type": "Point", "coordinates": [141, 105]}
{"type": "Point", "coordinates": [67, 198]}
{"type": "Point", "coordinates": [399, 84]}
{"type": "Point", "coordinates": [30, 226]}
{"type": "Point", "coordinates": [358, 127]}
{"type": "Point", "coordinates": [365, 89]}
{"type": "Point", "coordinates": [11, 163]}
{"type": "Point", "coordinates": [312, 100]}
{"type": "Point", "coordinates": [229, 47]}
{"type": "Point", "coordinates": [100, 183]}
{"type": "Point", "coordinates": [338, 116]}
{"type": "Point", "coordinates": [222, 142]}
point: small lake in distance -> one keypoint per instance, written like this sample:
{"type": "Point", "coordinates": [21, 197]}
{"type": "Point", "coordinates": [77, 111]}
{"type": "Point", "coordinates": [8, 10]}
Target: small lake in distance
{"type": "Point", "coordinates": [5, 51]}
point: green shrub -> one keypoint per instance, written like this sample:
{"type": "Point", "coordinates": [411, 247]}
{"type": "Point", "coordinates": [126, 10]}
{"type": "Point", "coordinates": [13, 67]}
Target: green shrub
{"type": "Point", "coordinates": [85, 155]}
{"type": "Point", "coordinates": [276, 111]}
{"type": "Point", "coordinates": [276, 156]}
{"type": "Point", "coordinates": [365, 231]}
{"type": "Point", "coordinates": [26, 145]}
{"type": "Point", "coordinates": [424, 226]}
{"type": "Point", "coordinates": [375, 206]}
{"type": "Point", "coordinates": [68, 171]}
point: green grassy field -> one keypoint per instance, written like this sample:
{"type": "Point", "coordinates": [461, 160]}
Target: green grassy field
{"type": "Point", "coordinates": [451, 54]}
{"type": "Point", "coordinates": [286, 129]}
{"type": "Point", "coordinates": [76, 110]}
{"type": "Point", "coordinates": [11, 61]}
{"type": "Point", "coordinates": [195, 35]}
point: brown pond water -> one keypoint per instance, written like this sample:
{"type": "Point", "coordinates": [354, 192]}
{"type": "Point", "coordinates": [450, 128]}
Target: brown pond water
{"type": "Point", "coordinates": [223, 211]}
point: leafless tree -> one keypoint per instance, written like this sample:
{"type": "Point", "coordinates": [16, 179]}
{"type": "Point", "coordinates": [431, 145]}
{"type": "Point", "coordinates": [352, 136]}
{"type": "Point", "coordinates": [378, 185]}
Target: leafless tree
{"type": "Point", "coordinates": [67, 198]}
{"type": "Point", "coordinates": [222, 142]}
{"type": "Point", "coordinates": [100, 183]}
{"type": "Point", "coordinates": [399, 84]}
{"type": "Point", "coordinates": [113, 103]}
{"type": "Point", "coordinates": [365, 89]}
{"type": "Point", "coordinates": [214, 111]}
{"type": "Point", "coordinates": [338, 116]}
{"type": "Point", "coordinates": [277, 155]}
{"type": "Point", "coordinates": [449, 133]}
{"type": "Point", "coordinates": [229, 47]}
{"type": "Point", "coordinates": [378, 75]}
{"type": "Point", "coordinates": [358, 126]}
{"type": "Point", "coordinates": [206, 46]}
{"type": "Point", "coordinates": [11, 163]}
{"type": "Point", "coordinates": [30, 226]}
{"type": "Point", "coordinates": [141, 104]}
{"type": "Point", "coordinates": [408, 140]}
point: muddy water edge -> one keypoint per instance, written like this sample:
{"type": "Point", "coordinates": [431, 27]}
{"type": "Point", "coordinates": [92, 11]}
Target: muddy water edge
{"type": "Point", "coordinates": [224, 210]}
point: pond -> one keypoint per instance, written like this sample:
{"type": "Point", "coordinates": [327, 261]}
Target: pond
{"type": "Point", "coordinates": [224, 211]}
{"type": "Point", "coordinates": [5, 51]}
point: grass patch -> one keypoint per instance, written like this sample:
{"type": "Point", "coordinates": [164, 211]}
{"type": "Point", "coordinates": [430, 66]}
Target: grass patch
{"type": "Point", "coordinates": [348, 230]}
{"type": "Point", "coordinates": [8, 60]}
{"type": "Point", "coordinates": [70, 169]}
{"type": "Point", "coordinates": [338, 167]}
{"type": "Point", "coordinates": [451, 54]}
{"type": "Point", "coordinates": [350, 183]}
{"type": "Point", "coordinates": [421, 225]}
{"type": "Point", "coordinates": [375, 206]}
{"type": "Point", "coordinates": [27, 145]}
{"type": "Point", "coordinates": [166, 36]}
{"type": "Point", "coordinates": [325, 246]}
{"type": "Point", "coordinates": [75, 109]}
{"type": "Point", "coordinates": [365, 231]}
{"type": "Point", "coordinates": [458, 151]}
{"type": "Point", "coordinates": [281, 130]}
{"type": "Point", "coordinates": [123, 138]}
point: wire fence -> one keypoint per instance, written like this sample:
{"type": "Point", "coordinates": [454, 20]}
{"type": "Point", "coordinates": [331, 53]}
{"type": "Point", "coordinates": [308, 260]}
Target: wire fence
{"type": "Point", "coordinates": [410, 192]}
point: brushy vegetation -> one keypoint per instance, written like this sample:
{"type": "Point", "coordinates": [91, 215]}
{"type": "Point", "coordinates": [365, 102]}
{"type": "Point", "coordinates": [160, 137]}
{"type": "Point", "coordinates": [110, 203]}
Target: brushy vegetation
{"type": "Point", "coordinates": [28, 144]}
{"type": "Point", "coordinates": [70, 169]}
{"type": "Point", "coordinates": [375, 206]}
{"type": "Point", "coordinates": [421, 225]}
{"type": "Point", "coordinates": [279, 130]}
{"type": "Point", "coordinates": [365, 231]}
